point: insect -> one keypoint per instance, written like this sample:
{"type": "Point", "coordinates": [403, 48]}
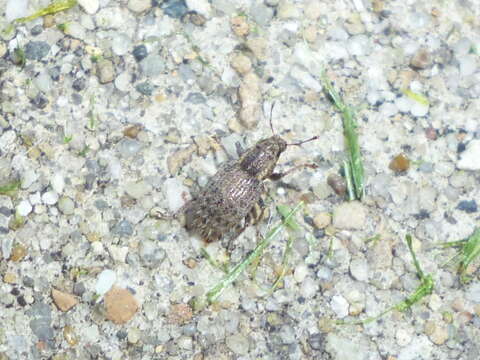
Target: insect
{"type": "Point", "coordinates": [227, 204]}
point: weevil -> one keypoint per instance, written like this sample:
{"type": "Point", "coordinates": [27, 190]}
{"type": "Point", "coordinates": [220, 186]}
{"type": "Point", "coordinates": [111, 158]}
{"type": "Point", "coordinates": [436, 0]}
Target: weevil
{"type": "Point", "coordinates": [227, 203]}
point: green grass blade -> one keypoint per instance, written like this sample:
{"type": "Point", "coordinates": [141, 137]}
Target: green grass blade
{"type": "Point", "coordinates": [53, 8]}
{"type": "Point", "coordinates": [355, 164]}
{"type": "Point", "coordinates": [217, 290]}
{"type": "Point", "coordinates": [470, 251]}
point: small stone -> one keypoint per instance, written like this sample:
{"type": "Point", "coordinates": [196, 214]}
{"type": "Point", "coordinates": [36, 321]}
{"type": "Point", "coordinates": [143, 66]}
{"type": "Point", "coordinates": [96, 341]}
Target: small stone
{"type": "Point", "coordinates": [473, 292]}
{"type": "Point", "coordinates": [310, 33]}
{"type": "Point", "coordinates": [359, 269]}
{"type": "Point", "coordinates": [436, 333]}
{"type": "Point", "coordinates": [238, 344]}
{"type": "Point", "coordinates": [354, 25]}
{"type": "Point", "coordinates": [10, 278]}
{"type": "Point", "coordinates": [105, 71]}
{"type": "Point", "coordinates": [469, 157]}
{"type": "Point", "coordinates": [261, 13]}
{"type": "Point", "coordinates": [152, 65]}
{"type": "Point", "coordinates": [421, 59]}
{"type": "Point", "coordinates": [36, 50]}
{"type": "Point", "coordinates": [337, 183]}
{"type": "Point", "coordinates": [64, 301]}
{"type": "Point", "coordinates": [50, 198]}
{"type": "Point", "coordinates": [129, 147]}
{"type": "Point", "coordinates": [140, 52]}
{"type": "Point", "coordinates": [133, 335]}
{"type": "Point", "coordinates": [179, 158]}
{"type": "Point", "coordinates": [241, 64]}
{"type": "Point", "coordinates": [66, 205]}
{"type": "Point", "coordinates": [24, 208]}
{"type": "Point", "coordinates": [105, 281]}
{"type": "Point", "coordinates": [301, 271]}
{"type": "Point", "coordinates": [400, 163]}
{"type": "Point", "coordinates": [123, 228]}
{"type": "Point", "coordinates": [288, 10]}
{"type": "Point", "coordinates": [240, 26]}
{"type": "Point", "coordinates": [313, 9]}
{"type": "Point", "coordinates": [90, 6]}
{"type": "Point", "coordinates": [309, 288]}
{"type": "Point", "coordinates": [18, 253]}
{"type": "Point", "coordinates": [258, 46]}
{"type": "Point", "coordinates": [70, 335]}
{"type": "Point", "coordinates": [339, 306]}
{"type": "Point", "coordinates": [467, 64]}
{"type": "Point", "coordinates": [15, 9]}
{"type": "Point", "coordinates": [469, 206]}
{"type": "Point", "coordinates": [175, 8]}
{"type": "Point", "coordinates": [200, 6]}
{"type": "Point", "coordinates": [179, 314]}
{"type": "Point", "coordinates": [139, 6]}
{"type": "Point", "coordinates": [151, 254]}
{"type": "Point", "coordinates": [322, 220]}
{"type": "Point", "coordinates": [145, 88]}
{"type": "Point", "coordinates": [403, 337]}
{"type": "Point", "coordinates": [349, 215]}
{"type": "Point", "coordinates": [121, 305]}
{"type": "Point", "coordinates": [250, 96]}
{"type": "Point", "coordinates": [132, 131]}
{"type": "Point", "coordinates": [195, 98]}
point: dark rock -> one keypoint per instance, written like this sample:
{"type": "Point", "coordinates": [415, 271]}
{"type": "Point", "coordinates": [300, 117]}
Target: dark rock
{"type": "Point", "coordinates": [175, 8]}
{"type": "Point", "coordinates": [36, 50]}
{"type": "Point", "coordinates": [145, 88]}
{"type": "Point", "coordinates": [140, 52]}
{"type": "Point", "coordinates": [469, 206]}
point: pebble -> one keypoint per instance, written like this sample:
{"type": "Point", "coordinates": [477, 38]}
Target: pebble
{"type": "Point", "coordinates": [19, 252]}
{"type": "Point", "coordinates": [70, 335]}
{"type": "Point", "coordinates": [63, 300]}
{"type": "Point", "coordinates": [139, 6]}
{"type": "Point", "coordinates": [469, 158]}
{"type": "Point", "coordinates": [152, 65]}
{"type": "Point", "coordinates": [179, 314]}
{"type": "Point", "coordinates": [403, 337]}
{"type": "Point", "coordinates": [121, 44]}
{"type": "Point", "coordinates": [138, 189]}
{"type": "Point", "coordinates": [24, 208]}
{"type": "Point", "coordinates": [339, 306]}
{"type": "Point", "coordinates": [261, 13]}
{"type": "Point", "coordinates": [316, 341]}
{"type": "Point", "coordinates": [467, 65]}
{"type": "Point", "coordinates": [90, 6]}
{"type": "Point", "coordinates": [421, 59]}
{"type": "Point", "coordinates": [179, 158]}
{"type": "Point", "coordinates": [140, 52]}
{"type": "Point", "coordinates": [469, 206]}
{"type": "Point", "coordinates": [66, 205]}
{"type": "Point", "coordinates": [337, 183]}
{"type": "Point", "coordinates": [105, 281]}
{"type": "Point", "coordinates": [151, 254]}
{"type": "Point", "coordinates": [174, 192]}
{"type": "Point", "coordinates": [50, 198]}
{"type": "Point", "coordinates": [288, 10]}
{"type": "Point", "coordinates": [123, 228]}
{"type": "Point", "coordinates": [238, 344]}
{"type": "Point", "coordinates": [313, 9]}
{"type": "Point", "coordinates": [349, 215]}
{"type": "Point", "coordinates": [133, 335]}
{"type": "Point", "coordinates": [250, 95]}
{"type": "Point", "coordinates": [240, 26]}
{"type": "Point", "coordinates": [36, 50]}
{"type": "Point", "coordinates": [174, 8]}
{"type": "Point", "coordinates": [121, 305]}
{"type": "Point", "coordinates": [241, 64]}
{"type": "Point", "coordinates": [400, 163]}
{"type": "Point", "coordinates": [301, 271]}
{"type": "Point", "coordinates": [359, 269]}
{"type": "Point", "coordinates": [438, 334]}
{"type": "Point", "coordinates": [202, 7]}
{"type": "Point", "coordinates": [58, 183]}
{"type": "Point", "coordinates": [16, 9]}
{"type": "Point", "coordinates": [473, 292]}
{"type": "Point", "coordinates": [358, 45]}
{"type": "Point", "coordinates": [322, 220]}
{"type": "Point", "coordinates": [145, 88]}
{"type": "Point", "coordinates": [105, 71]}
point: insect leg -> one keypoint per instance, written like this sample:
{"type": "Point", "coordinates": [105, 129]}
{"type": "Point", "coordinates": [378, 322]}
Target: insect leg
{"type": "Point", "coordinates": [278, 176]}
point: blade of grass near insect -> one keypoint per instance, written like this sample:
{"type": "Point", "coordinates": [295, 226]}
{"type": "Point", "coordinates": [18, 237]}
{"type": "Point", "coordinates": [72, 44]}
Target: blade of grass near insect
{"type": "Point", "coordinates": [216, 291]}
{"type": "Point", "coordinates": [53, 8]}
{"type": "Point", "coordinates": [425, 288]}
{"type": "Point", "coordinates": [10, 189]}
{"type": "Point", "coordinates": [355, 165]}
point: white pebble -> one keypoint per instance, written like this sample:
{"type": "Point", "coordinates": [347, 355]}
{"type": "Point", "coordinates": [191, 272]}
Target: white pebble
{"type": "Point", "coordinates": [469, 158]}
{"type": "Point", "coordinates": [339, 306]}
{"type": "Point", "coordinates": [467, 65]}
{"type": "Point", "coordinates": [358, 45]}
{"type": "Point", "coordinates": [105, 281]}
{"type": "Point", "coordinates": [35, 198]}
{"type": "Point", "coordinates": [300, 273]}
{"type": "Point", "coordinates": [418, 109]}
{"type": "Point", "coordinates": [16, 9]}
{"type": "Point", "coordinates": [50, 198]}
{"type": "Point", "coordinates": [201, 6]}
{"type": "Point", "coordinates": [309, 288]}
{"type": "Point", "coordinates": [58, 183]}
{"type": "Point", "coordinates": [24, 208]}
{"type": "Point", "coordinates": [90, 6]}
{"type": "Point", "coordinates": [174, 192]}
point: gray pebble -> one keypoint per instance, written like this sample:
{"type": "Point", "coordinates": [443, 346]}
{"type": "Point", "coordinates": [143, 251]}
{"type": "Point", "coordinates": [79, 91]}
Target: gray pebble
{"type": "Point", "coordinates": [195, 98]}
{"type": "Point", "coordinates": [129, 147]}
{"type": "Point", "coordinates": [140, 52]}
{"type": "Point", "coordinates": [261, 13]}
{"type": "Point", "coordinates": [152, 65]}
{"type": "Point", "coordinates": [238, 344]}
{"type": "Point", "coordinates": [123, 229]}
{"type": "Point", "coordinates": [145, 88]}
{"type": "Point", "coordinates": [105, 71]}
{"type": "Point", "coordinates": [359, 269]}
{"type": "Point", "coordinates": [151, 255]}
{"type": "Point", "coordinates": [316, 341]}
{"type": "Point", "coordinates": [174, 8]}
{"type": "Point", "coordinates": [350, 215]}
{"type": "Point", "coordinates": [36, 50]}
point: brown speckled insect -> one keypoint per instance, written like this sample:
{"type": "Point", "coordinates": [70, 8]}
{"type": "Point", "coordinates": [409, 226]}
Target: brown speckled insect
{"type": "Point", "coordinates": [227, 204]}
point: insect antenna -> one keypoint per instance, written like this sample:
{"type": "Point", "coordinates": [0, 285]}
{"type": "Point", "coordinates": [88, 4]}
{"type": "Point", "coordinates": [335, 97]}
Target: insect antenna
{"type": "Point", "coordinates": [271, 116]}
{"type": "Point", "coordinates": [304, 141]}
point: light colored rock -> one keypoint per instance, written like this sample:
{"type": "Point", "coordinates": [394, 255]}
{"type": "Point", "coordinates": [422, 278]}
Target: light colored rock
{"type": "Point", "coordinates": [64, 301]}
{"type": "Point", "coordinates": [121, 305]}
{"type": "Point", "coordinates": [16, 9]}
{"type": "Point", "coordinates": [90, 6]}
{"type": "Point", "coordinates": [24, 208]}
{"type": "Point", "coordinates": [105, 281]}
{"type": "Point", "coordinates": [349, 215]}
{"type": "Point", "coordinates": [139, 6]}
{"type": "Point", "coordinates": [470, 158]}
{"type": "Point", "coordinates": [250, 96]}
{"type": "Point", "coordinates": [200, 6]}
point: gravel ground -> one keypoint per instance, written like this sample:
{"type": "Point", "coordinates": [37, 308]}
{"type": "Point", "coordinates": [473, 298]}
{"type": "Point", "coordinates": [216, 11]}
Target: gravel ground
{"type": "Point", "coordinates": [113, 108]}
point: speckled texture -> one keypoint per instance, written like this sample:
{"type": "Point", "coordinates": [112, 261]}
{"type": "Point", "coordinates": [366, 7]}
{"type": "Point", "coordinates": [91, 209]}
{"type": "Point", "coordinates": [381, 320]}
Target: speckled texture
{"type": "Point", "coordinates": [88, 182]}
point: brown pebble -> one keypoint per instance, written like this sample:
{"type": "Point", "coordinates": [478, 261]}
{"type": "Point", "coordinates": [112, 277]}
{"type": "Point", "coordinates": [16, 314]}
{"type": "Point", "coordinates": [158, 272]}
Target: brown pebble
{"type": "Point", "coordinates": [240, 26]}
{"type": "Point", "coordinates": [18, 253]}
{"type": "Point", "coordinates": [64, 301]}
{"type": "Point", "coordinates": [70, 336]}
{"type": "Point", "coordinates": [191, 263]}
{"type": "Point", "coordinates": [421, 59]}
{"type": "Point", "coordinates": [132, 131]}
{"type": "Point", "coordinates": [400, 163]}
{"type": "Point", "coordinates": [120, 304]}
{"type": "Point", "coordinates": [431, 133]}
{"type": "Point", "coordinates": [180, 314]}
{"type": "Point", "coordinates": [48, 21]}
{"type": "Point", "coordinates": [10, 278]}
{"type": "Point", "coordinates": [322, 220]}
{"type": "Point", "coordinates": [337, 183]}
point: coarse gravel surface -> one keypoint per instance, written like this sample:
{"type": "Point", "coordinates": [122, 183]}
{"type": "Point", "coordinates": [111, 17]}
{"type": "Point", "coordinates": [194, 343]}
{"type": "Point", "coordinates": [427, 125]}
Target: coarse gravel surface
{"type": "Point", "coordinates": [113, 108]}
